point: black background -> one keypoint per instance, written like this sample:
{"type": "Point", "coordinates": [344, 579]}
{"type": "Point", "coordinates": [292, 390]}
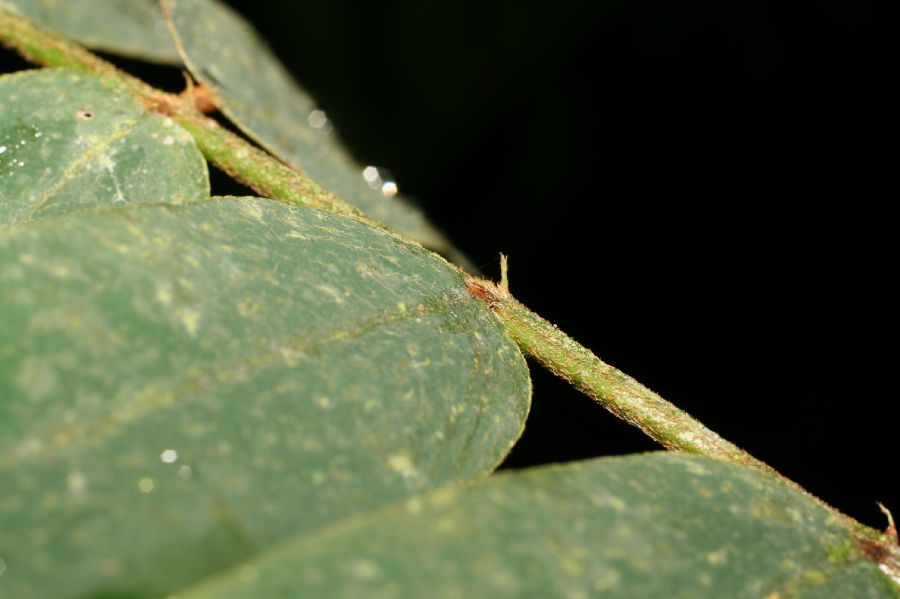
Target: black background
{"type": "Point", "coordinates": [698, 191]}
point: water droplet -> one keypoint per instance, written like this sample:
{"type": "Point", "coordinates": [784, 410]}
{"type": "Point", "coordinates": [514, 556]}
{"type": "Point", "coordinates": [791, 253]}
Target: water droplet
{"type": "Point", "coordinates": [185, 472]}
{"type": "Point", "coordinates": [20, 163]}
{"type": "Point", "coordinates": [380, 179]}
{"type": "Point", "coordinates": [169, 140]}
{"type": "Point", "coordinates": [2, 566]}
{"type": "Point", "coordinates": [2, 149]}
{"type": "Point", "coordinates": [372, 177]}
{"type": "Point", "coordinates": [169, 456]}
{"type": "Point", "coordinates": [389, 189]}
{"type": "Point", "coordinates": [146, 485]}
{"type": "Point", "coordinates": [318, 119]}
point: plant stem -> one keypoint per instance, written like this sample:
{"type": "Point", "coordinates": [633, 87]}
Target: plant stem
{"type": "Point", "coordinates": [42, 47]}
{"type": "Point", "coordinates": [611, 388]}
{"type": "Point", "coordinates": [258, 170]}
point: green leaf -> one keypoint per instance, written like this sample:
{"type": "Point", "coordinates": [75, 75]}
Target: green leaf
{"type": "Point", "coordinates": [184, 386]}
{"type": "Point", "coordinates": [649, 526]}
{"type": "Point", "coordinates": [132, 28]}
{"type": "Point", "coordinates": [71, 141]}
{"type": "Point", "coordinates": [255, 91]}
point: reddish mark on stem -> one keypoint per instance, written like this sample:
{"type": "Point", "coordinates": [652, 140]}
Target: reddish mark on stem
{"type": "Point", "coordinates": [485, 291]}
{"type": "Point", "coordinates": [873, 550]}
{"type": "Point", "coordinates": [204, 98]}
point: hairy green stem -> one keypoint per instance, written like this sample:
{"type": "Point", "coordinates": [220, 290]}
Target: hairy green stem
{"type": "Point", "coordinates": [258, 170]}
{"type": "Point", "coordinates": [611, 388]}
{"type": "Point", "coordinates": [42, 47]}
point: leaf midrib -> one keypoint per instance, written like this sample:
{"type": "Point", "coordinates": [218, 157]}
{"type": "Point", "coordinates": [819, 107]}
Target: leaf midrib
{"type": "Point", "coordinates": [77, 432]}
{"type": "Point", "coordinates": [73, 169]}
